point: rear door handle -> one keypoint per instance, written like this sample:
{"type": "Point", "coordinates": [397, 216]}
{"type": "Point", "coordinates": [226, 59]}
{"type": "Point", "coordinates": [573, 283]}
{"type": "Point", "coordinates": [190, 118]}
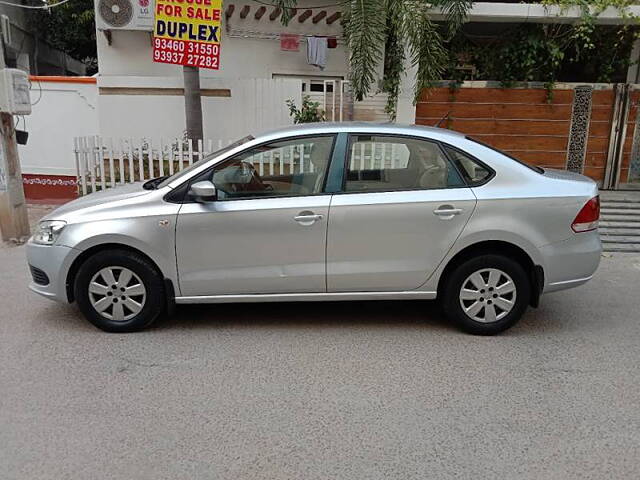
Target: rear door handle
{"type": "Point", "coordinates": [307, 218]}
{"type": "Point", "coordinates": [447, 211]}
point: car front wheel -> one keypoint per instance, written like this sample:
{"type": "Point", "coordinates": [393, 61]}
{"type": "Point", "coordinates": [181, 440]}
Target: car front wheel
{"type": "Point", "coordinates": [487, 294]}
{"type": "Point", "coordinates": [119, 291]}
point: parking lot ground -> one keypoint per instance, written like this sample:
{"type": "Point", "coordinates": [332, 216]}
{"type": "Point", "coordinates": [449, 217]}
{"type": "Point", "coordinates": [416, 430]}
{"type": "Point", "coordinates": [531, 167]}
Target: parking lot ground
{"type": "Point", "coordinates": [323, 391]}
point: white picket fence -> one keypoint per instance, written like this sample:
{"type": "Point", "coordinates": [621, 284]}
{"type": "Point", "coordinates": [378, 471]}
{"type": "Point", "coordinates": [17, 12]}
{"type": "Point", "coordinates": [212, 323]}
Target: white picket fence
{"type": "Point", "coordinates": [378, 155]}
{"type": "Point", "coordinates": [106, 162]}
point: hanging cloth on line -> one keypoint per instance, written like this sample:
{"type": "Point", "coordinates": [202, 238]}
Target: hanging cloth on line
{"type": "Point", "coordinates": [317, 51]}
{"type": "Point", "coordinates": [289, 42]}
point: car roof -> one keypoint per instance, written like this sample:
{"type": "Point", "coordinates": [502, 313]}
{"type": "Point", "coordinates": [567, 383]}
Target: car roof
{"type": "Point", "coordinates": [362, 127]}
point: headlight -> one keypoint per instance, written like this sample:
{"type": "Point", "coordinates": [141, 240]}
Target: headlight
{"type": "Point", "coordinates": [48, 231]}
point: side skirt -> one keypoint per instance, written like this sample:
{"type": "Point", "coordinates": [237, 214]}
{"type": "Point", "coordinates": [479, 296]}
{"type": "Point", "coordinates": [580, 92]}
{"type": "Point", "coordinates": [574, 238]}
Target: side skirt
{"type": "Point", "coordinates": [308, 297]}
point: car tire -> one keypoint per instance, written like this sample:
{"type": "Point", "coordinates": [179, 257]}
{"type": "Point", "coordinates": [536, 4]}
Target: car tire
{"type": "Point", "coordinates": [119, 291]}
{"type": "Point", "coordinates": [486, 295]}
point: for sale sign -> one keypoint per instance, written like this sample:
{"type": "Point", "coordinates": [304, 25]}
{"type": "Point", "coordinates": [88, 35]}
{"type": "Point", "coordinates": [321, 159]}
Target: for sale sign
{"type": "Point", "coordinates": [187, 32]}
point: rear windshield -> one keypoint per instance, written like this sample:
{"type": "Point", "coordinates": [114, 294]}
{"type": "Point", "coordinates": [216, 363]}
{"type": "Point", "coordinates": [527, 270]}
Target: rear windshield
{"type": "Point", "coordinates": [535, 168]}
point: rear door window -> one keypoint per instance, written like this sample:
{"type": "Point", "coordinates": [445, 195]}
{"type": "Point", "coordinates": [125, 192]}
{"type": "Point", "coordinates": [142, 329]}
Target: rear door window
{"type": "Point", "coordinates": [389, 163]}
{"type": "Point", "coordinates": [474, 172]}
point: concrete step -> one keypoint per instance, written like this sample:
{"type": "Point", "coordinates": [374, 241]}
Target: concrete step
{"type": "Point", "coordinates": [604, 223]}
{"type": "Point", "coordinates": [620, 221]}
{"type": "Point", "coordinates": [620, 196]}
{"type": "Point", "coordinates": [624, 232]}
{"type": "Point", "coordinates": [620, 218]}
{"type": "Point", "coordinates": [620, 205]}
{"type": "Point", "coordinates": [619, 211]}
{"type": "Point", "coordinates": [621, 199]}
{"type": "Point", "coordinates": [619, 239]}
{"type": "Point", "coordinates": [620, 247]}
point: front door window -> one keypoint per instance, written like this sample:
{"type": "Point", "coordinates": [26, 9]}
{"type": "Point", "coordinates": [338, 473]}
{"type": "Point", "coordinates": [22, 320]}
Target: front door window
{"type": "Point", "coordinates": [288, 168]}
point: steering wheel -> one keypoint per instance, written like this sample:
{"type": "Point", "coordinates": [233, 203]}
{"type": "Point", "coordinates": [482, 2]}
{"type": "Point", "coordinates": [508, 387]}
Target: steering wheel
{"type": "Point", "coordinates": [251, 181]}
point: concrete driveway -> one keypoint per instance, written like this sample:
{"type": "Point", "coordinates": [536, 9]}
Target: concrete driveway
{"type": "Point", "coordinates": [332, 391]}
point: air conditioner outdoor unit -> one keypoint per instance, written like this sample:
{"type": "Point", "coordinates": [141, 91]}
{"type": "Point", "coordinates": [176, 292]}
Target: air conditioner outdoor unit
{"type": "Point", "coordinates": [124, 14]}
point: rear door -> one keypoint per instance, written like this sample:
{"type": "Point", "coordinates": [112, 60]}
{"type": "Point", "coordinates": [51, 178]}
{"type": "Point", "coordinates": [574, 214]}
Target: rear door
{"type": "Point", "coordinates": [401, 208]}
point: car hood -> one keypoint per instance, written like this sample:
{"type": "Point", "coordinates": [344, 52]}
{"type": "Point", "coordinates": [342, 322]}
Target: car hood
{"type": "Point", "coordinates": [98, 199]}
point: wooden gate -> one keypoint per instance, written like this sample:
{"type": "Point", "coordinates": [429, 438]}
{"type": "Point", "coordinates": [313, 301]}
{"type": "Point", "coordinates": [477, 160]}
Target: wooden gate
{"type": "Point", "coordinates": [590, 129]}
{"type": "Point", "coordinates": [622, 170]}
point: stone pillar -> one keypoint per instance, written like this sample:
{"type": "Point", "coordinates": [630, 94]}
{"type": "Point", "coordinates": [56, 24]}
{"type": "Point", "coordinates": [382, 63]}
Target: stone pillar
{"type": "Point", "coordinates": [579, 129]}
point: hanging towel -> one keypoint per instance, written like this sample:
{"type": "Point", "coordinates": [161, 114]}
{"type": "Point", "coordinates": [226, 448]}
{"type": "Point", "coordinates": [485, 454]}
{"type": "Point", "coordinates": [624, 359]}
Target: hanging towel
{"type": "Point", "coordinates": [289, 42]}
{"type": "Point", "coordinates": [317, 51]}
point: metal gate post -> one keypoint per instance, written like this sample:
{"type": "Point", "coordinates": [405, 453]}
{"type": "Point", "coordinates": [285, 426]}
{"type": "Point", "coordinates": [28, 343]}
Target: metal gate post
{"type": "Point", "coordinates": [617, 137]}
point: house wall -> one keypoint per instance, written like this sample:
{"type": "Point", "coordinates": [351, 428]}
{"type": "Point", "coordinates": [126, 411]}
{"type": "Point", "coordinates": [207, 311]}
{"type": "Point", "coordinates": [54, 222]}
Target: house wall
{"type": "Point", "coordinates": [130, 54]}
{"type": "Point", "coordinates": [250, 49]}
{"type": "Point", "coordinates": [63, 108]}
{"type": "Point", "coordinates": [153, 107]}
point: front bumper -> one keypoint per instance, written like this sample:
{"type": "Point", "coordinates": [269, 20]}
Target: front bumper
{"type": "Point", "coordinates": [572, 262]}
{"type": "Point", "coordinates": [54, 261]}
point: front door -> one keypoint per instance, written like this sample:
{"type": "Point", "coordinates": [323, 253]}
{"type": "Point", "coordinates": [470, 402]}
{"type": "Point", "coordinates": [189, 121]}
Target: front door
{"type": "Point", "coordinates": [402, 207]}
{"type": "Point", "coordinates": [266, 232]}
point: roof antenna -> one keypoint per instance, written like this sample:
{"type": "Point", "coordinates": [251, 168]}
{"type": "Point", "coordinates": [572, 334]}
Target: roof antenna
{"type": "Point", "coordinates": [446, 115]}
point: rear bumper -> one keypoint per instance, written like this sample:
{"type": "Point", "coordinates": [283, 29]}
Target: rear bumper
{"type": "Point", "coordinates": [572, 262]}
{"type": "Point", "coordinates": [54, 261]}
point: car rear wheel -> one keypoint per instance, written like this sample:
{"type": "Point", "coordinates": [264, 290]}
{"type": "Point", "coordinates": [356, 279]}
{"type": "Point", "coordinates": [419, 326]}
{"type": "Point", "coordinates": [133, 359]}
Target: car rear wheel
{"type": "Point", "coordinates": [119, 291]}
{"type": "Point", "coordinates": [487, 294]}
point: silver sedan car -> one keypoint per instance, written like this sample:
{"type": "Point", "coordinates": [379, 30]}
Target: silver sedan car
{"type": "Point", "coordinates": [326, 212]}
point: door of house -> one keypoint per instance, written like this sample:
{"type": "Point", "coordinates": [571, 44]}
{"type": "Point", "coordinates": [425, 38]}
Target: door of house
{"type": "Point", "coordinates": [331, 92]}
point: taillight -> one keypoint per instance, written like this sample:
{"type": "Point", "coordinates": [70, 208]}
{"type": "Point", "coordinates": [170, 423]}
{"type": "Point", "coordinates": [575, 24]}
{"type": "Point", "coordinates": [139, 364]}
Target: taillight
{"type": "Point", "coordinates": [587, 218]}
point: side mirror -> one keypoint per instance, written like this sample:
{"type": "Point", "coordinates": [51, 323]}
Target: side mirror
{"type": "Point", "coordinates": [204, 191]}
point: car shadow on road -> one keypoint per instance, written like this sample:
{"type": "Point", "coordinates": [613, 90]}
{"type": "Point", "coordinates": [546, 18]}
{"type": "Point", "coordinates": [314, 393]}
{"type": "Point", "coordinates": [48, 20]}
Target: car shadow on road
{"type": "Point", "coordinates": [307, 315]}
{"type": "Point", "coordinates": [418, 314]}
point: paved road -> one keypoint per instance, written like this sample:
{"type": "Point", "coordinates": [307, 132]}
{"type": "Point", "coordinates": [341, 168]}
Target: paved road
{"type": "Point", "coordinates": [333, 391]}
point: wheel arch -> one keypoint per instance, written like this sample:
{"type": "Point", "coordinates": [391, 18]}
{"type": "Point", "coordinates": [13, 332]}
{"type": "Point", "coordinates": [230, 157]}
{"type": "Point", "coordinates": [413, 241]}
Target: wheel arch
{"type": "Point", "coordinates": [80, 259]}
{"type": "Point", "coordinates": [501, 247]}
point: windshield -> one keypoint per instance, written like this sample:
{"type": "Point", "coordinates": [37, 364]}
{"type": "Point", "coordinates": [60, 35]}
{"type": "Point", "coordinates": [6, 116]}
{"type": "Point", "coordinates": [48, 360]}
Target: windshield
{"type": "Point", "coordinates": [166, 180]}
{"type": "Point", "coordinates": [535, 168]}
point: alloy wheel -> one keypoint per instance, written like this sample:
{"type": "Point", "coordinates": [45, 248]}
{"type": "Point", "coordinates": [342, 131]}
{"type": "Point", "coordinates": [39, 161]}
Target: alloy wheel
{"type": "Point", "coordinates": [488, 295]}
{"type": "Point", "coordinates": [117, 293]}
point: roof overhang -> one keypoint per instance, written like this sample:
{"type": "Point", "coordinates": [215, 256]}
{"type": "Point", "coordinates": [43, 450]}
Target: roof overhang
{"type": "Point", "coordinates": [538, 13]}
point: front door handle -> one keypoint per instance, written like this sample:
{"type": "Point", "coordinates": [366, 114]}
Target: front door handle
{"type": "Point", "coordinates": [447, 212]}
{"type": "Point", "coordinates": [307, 218]}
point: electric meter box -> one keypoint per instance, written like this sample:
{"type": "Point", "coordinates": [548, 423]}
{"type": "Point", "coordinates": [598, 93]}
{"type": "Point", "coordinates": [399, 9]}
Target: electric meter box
{"type": "Point", "coordinates": [14, 92]}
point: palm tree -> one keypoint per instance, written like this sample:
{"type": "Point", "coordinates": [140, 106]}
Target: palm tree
{"type": "Point", "coordinates": [395, 29]}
